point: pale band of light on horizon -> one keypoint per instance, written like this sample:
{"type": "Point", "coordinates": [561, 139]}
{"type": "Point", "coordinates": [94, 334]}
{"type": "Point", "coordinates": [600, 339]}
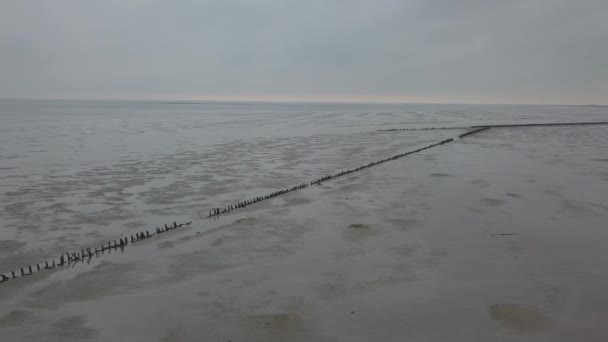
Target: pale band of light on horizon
{"type": "Point", "coordinates": [471, 51]}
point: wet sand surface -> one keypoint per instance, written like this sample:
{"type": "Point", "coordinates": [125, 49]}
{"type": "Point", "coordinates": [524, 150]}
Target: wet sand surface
{"type": "Point", "coordinates": [496, 237]}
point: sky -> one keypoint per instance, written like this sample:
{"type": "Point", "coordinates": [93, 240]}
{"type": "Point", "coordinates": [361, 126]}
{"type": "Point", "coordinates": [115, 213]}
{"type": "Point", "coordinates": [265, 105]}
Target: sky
{"type": "Point", "coordinates": [465, 51]}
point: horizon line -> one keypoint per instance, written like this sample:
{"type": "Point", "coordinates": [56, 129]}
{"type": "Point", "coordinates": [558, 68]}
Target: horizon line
{"type": "Point", "coordinates": [292, 101]}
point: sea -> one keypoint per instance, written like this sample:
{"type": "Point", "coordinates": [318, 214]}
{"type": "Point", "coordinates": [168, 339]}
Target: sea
{"type": "Point", "coordinates": [76, 172]}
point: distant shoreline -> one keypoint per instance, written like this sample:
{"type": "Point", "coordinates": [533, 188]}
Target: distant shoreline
{"type": "Point", "coordinates": [301, 102]}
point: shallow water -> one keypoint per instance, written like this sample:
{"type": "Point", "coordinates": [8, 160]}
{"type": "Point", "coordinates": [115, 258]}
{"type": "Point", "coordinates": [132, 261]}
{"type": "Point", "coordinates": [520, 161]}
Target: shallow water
{"type": "Point", "coordinates": [499, 236]}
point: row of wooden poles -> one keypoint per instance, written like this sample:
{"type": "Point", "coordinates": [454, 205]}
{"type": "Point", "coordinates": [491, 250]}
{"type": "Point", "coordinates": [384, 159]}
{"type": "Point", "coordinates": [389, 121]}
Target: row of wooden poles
{"type": "Point", "coordinates": [85, 255]}
{"type": "Point", "coordinates": [419, 129]}
{"type": "Point", "coordinates": [67, 259]}
{"type": "Point", "coordinates": [475, 131]}
{"type": "Point", "coordinates": [218, 211]}
{"type": "Point", "coordinates": [484, 127]}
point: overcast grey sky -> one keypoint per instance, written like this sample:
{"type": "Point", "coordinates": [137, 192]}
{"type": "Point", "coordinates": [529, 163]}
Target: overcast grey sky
{"type": "Point", "coordinates": [502, 51]}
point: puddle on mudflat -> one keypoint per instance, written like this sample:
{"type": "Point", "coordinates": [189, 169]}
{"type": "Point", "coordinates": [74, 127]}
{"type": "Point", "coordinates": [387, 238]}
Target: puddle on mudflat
{"type": "Point", "coordinates": [520, 318]}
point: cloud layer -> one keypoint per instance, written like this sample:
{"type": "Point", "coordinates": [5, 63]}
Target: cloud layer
{"type": "Point", "coordinates": [516, 51]}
